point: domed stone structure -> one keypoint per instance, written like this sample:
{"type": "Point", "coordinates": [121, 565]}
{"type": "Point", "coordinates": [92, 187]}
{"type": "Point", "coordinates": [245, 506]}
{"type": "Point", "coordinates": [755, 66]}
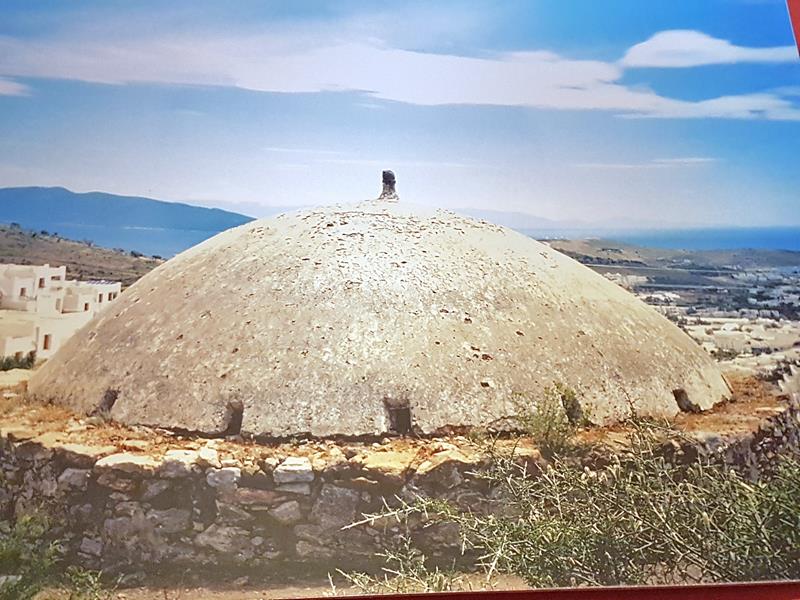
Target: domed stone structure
{"type": "Point", "coordinates": [372, 318]}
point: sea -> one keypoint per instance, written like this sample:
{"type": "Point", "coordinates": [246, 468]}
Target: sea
{"type": "Point", "coordinates": [733, 238]}
{"type": "Point", "coordinates": [168, 242]}
{"type": "Point", "coordinates": [150, 241]}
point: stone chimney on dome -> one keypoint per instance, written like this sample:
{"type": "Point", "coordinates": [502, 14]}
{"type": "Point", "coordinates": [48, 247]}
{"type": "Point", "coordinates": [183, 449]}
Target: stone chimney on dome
{"type": "Point", "coordinates": [389, 193]}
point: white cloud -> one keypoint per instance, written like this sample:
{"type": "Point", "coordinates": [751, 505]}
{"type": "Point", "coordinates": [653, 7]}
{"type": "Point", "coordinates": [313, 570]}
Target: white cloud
{"type": "Point", "coordinates": [292, 62]}
{"type": "Point", "coordinates": [12, 88]}
{"type": "Point", "coordinates": [767, 106]}
{"type": "Point", "coordinates": [688, 48]}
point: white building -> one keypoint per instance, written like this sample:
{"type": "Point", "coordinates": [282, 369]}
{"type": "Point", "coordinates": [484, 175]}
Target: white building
{"type": "Point", "coordinates": [40, 308]}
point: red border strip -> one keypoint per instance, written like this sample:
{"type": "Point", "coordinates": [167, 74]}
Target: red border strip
{"type": "Point", "coordinates": [783, 590]}
{"type": "Point", "coordinates": [794, 17]}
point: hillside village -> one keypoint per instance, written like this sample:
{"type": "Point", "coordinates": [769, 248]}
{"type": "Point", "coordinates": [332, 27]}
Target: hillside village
{"type": "Point", "coordinates": [40, 309]}
{"type": "Point", "coordinates": [746, 313]}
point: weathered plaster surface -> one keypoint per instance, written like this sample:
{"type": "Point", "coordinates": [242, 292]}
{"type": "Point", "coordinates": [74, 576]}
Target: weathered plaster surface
{"type": "Point", "coordinates": [312, 322]}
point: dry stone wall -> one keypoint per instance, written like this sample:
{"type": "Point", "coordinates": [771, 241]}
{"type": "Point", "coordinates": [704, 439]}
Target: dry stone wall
{"type": "Point", "coordinates": [122, 511]}
{"type": "Point", "coordinates": [132, 512]}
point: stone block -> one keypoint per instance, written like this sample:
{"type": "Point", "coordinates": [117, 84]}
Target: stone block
{"type": "Point", "coordinates": [72, 480]}
{"type": "Point", "coordinates": [171, 520]}
{"type": "Point", "coordinates": [335, 507]}
{"type": "Point", "coordinates": [125, 462]}
{"type": "Point", "coordinates": [301, 489]}
{"type": "Point", "coordinates": [224, 539]}
{"type": "Point", "coordinates": [226, 477]}
{"type": "Point", "coordinates": [288, 513]}
{"type": "Point", "coordinates": [117, 483]}
{"type": "Point", "coordinates": [208, 457]}
{"type": "Point", "coordinates": [179, 463]}
{"type": "Point", "coordinates": [295, 469]}
{"type": "Point", "coordinates": [91, 546]}
{"type": "Point", "coordinates": [81, 455]}
{"type": "Point", "coordinates": [253, 499]}
{"type": "Point", "coordinates": [310, 551]}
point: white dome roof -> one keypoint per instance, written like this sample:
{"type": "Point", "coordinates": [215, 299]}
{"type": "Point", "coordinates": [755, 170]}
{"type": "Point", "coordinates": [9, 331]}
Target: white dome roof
{"type": "Point", "coordinates": [334, 321]}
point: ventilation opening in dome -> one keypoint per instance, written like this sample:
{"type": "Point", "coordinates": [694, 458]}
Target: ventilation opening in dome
{"type": "Point", "coordinates": [682, 399]}
{"type": "Point", "coordinates": [107, 403]}
{"type": "Point", "coordinates": [235, 416]}
{"type": "Point", "coordinates": [399, 414]}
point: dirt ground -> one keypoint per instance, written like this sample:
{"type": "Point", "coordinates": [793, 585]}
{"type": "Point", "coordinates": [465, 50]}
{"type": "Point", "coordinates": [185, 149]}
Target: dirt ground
{"type": "Point", "coordinates": [316, 587]}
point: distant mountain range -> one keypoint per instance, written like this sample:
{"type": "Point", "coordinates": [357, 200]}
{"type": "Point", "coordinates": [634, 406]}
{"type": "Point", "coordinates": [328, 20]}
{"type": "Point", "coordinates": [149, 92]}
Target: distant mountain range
{"type": "Point", "coordinates": [162, 229]}
{"type": "Point", "coordinates": [156, 227]}
{"type": "Point", "coordinates": [56, 206]}
{"type": "Point", "coordinates": [146, 225]}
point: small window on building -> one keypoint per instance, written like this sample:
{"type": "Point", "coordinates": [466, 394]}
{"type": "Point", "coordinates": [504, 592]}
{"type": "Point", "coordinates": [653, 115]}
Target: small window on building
{"type": "Point", "coordinates": [86, 307]}
{"type": "Point", "coordinates": [100, 298]}
{"type": "Point", "coordinates": [23, 292]}
{"type": "Point", "coordinates": [109, 296]}
{"type": "Point", "coordinates": [56, 278]}
{"type": "Point", "coordinates": [48, 341]}
{"type": "Point", "coordinates": [41, 282]}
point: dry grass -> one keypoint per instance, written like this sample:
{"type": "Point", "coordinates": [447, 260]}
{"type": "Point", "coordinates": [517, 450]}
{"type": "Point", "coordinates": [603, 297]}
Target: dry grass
{"type": "Point", "coordinates": [82, 261]}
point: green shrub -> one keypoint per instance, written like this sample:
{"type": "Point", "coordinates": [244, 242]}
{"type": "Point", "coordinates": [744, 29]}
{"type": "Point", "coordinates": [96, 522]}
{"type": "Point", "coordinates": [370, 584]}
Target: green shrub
{"type": "Point", "coordinates": [406, 572]}
{"type": "Point", "coordinates": [641, 520]}
{"type": "Point", "coordinates": [11, 362]}
{"type": "Point", "coordinates": [26, 558]}
{"type": "Point", "coordinates": [30, 562]}
{"type": "Point", "coordinates": [553, 420]}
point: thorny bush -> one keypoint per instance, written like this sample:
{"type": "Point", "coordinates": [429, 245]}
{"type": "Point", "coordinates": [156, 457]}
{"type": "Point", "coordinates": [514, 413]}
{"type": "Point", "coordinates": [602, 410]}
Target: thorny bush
{"type": "Point", "coordinates": [641, 520]}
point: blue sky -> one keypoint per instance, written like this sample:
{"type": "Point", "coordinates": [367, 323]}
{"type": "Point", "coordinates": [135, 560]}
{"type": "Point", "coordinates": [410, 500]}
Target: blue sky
{"type": "Point", "coordinates": [615, 112]}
